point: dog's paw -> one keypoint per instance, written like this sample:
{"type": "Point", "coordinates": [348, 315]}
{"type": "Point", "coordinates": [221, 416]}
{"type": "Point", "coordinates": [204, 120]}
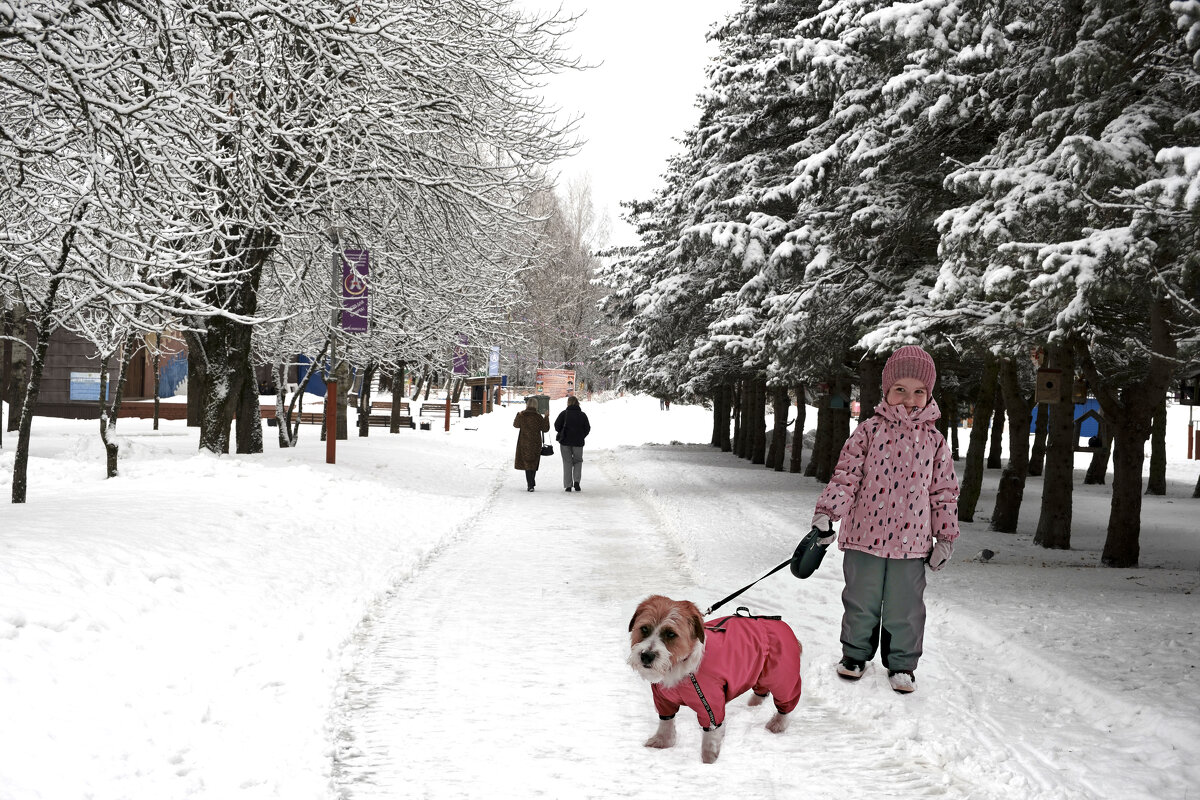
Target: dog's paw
{"type": "Point", "coordinates": [664, 737]}
{"type": "Point", "coordinates": [778, 723]}
{"type": "Point", "coordinates": [710, 744]}
{"type": "Point", "coordinates": [756, 699]}
{"type": "Point", "coordinates": [661, 742]}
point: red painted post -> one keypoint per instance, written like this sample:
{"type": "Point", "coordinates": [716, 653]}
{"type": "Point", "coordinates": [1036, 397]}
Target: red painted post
{"type": "Point", "coordinates": [331, 421]}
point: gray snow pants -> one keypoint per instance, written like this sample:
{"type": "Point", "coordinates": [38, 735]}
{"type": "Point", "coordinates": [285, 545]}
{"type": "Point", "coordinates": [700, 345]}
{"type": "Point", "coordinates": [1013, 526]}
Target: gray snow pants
{"type": "Point", "coordinates": [884, 605]}
{"type": "Point", "coordinates": [572, 464]}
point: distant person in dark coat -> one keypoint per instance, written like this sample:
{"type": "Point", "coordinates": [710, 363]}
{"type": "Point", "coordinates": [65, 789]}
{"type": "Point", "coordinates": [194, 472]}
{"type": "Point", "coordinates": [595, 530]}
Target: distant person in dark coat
{"type": "Point", "coordinates": [529, 440]}
{"type": "Point", "coordinates": [573, 427]}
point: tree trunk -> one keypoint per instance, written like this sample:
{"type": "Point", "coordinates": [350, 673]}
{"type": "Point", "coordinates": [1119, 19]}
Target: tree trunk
{"type": "Point", "coordinates": [954, 420]}
{"type": "Point", "coordinates": [741, 420]}
{"type": "Point", "coordinates": [364, 399]}
{"type": "Point", "coordinates": [1097, 471]}
{"type": "Point", "coordinates": [157, 376]}
{"type": "Point", "coordinates": [397, 393]}
{"type": "Point", "coordinates": [758, 444]}
{"type": "Point", "coordinates": [727, 392]}
{"type": "Point", "coordinates": [1130, 414]}
{"type": "Point", "coordinates": [995, 459]}
{"type": "Point", "coordinates": [195, 385]}
{"type": "Point", "coordinates": [230, 386]}
{"type": "Point", "coordinates": [870, 387]}
{"type": "Point", "coordinates": [780, 406]}
{"type": "Point", "coordinates": [281, 415]}
{"type": "Point", "coordinates": [1012, 480]}
{"type": "Point", "coordinates": [109, 411]}
{"type": "Point", "coordinates": [972, 483]}
{"type": "Point", "coordinates": [16, 365]}
{"type": "Point", "coordinates": [1121, 545]}
{"type": "Point", "coordinates": [717, 407]}
{"type": "Point", "coordinates": [1040, 429]}
{"type": "Point", "coordinates": [35, 367]}
{"type": "Point", "coordinates": [1157, 482]}
{"type": "Point", "coordinates": [37, 363]}
{"type": "Point", "coordinates": [820, 440]}
{"type": "Point", "coordinates": [798, 429]}
{"type": "Point", "coordinates": [1054, 522]}
{"type": "Point", "coordinates": [248, 429]}
{"type": "Point", "coordinates": [947, 403]}
{"type": "Point", "coordinates": [343, 400]}
{"type": "Point", "coordinates": [417, 386]}
{"type": "Point", "coordinates": [833, 428]}
{"type": "Point", "coordinates": [722, 400]}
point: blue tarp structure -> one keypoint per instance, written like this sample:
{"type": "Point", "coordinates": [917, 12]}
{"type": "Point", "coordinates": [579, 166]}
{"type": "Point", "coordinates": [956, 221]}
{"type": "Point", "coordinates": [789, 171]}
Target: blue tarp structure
{"type": "Point", "coordinates": [172, 374]}
{"type": "Point", "coordinates": [1090, 426]}
{"type": "Point", "coordinates": [317, 384]}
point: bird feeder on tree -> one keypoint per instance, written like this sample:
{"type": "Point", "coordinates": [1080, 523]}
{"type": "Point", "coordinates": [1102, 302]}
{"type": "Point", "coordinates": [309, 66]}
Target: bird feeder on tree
{"type": "Point", "coordinates": [1079, 391]}
{"type": "Point", "coordinates": [1049, 386]}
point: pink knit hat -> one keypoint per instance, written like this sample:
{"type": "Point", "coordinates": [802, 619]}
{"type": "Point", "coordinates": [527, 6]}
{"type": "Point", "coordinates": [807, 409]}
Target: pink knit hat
{"type": "Point", "coordinates": [909, 361]}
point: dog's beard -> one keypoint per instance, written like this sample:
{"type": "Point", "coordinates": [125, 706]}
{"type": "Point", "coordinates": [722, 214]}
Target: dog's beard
{"type": "Point", "coordinates": [661, 669]}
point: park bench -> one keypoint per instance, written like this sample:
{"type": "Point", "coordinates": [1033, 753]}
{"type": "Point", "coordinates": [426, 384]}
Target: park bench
{"type": "Point", "coordinates": [439, 410]}
{"type": "Point", "coordinates": [385, 421]}
{"type": "Point", "coordinates": [386, 405]}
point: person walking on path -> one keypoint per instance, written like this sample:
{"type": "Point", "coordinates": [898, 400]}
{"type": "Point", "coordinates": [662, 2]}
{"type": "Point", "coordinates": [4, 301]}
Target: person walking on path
{"type": "Point", "coordinates": [529, 441]}
{"type": "Point", "coordinates": [896, 493]}
{"type": "Point", "coordinates": [573, 427]}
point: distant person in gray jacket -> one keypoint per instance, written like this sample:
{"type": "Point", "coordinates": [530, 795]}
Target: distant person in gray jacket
{"type": "Point", "coordinates": [573, 427]}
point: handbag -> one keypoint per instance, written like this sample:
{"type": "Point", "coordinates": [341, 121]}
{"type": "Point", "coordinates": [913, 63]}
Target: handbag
{"type": "Point", "coordinates": [547, 449]}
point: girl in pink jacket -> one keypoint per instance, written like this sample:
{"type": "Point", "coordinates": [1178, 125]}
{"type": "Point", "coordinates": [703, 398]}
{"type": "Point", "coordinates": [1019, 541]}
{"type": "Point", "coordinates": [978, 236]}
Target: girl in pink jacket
{"type": "Point", "coordinates": [896, 494]}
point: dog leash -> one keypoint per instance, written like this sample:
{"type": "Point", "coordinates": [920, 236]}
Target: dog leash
{"type": "Point", "coordinates": [725, 600]}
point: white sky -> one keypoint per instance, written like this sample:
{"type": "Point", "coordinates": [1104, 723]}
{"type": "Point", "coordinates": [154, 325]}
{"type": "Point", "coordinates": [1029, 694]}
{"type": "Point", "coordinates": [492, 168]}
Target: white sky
{"type": "Point", "coordinates": [651, 55]}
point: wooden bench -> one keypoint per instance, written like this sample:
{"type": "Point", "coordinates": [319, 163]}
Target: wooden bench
{"type": "Point", "coordinates": [387, 405]}
{"type": "Point", "coordinates": [309, 417]}
{"type": "Point", "coordinates": [385, 421]}
{"type": "Point", "coordinates": [439, 410]}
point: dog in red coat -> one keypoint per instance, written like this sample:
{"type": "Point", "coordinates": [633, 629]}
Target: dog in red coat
{"type": "Point", "coordinates": [705, 665]}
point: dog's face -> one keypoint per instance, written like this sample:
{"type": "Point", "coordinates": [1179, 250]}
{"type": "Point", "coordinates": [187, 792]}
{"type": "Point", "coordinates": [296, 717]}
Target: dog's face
{"type": "Point", "coordinates": [666, 639]}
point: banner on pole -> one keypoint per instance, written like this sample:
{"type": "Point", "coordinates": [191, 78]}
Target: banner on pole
{"type": "Point", "coordinates": [460, 355]}
{"type": "Point", "coordinates": [494, 361]}
{"type": "Point", "coordinates": [356, 269]}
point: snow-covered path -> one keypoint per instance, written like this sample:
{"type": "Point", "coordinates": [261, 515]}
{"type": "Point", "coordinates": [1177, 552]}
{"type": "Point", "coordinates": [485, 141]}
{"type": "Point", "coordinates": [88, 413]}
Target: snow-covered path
{"type": "Point", "coordinates": [411, 623]}
{"type": "Point", "coordinates": [498, 669]}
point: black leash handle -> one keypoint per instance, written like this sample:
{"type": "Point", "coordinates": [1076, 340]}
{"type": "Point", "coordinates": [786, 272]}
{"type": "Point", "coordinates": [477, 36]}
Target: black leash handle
{"type": "Point", "coordinates": [740, 591]}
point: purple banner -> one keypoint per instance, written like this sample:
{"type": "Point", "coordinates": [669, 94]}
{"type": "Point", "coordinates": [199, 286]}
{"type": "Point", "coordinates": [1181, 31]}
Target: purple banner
{"type": "Point", "coordinates": [460, 355]}
{"type": "Point", "coordinates": [356, 268]}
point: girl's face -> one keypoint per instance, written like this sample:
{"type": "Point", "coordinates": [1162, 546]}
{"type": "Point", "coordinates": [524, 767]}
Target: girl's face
{"type": "Point", "coordinates": [908, 392]}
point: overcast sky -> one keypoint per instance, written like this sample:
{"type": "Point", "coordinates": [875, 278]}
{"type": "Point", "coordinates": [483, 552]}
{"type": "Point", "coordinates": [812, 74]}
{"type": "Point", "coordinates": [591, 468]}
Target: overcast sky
{"type": "Point", "coordinates": [652, 56]}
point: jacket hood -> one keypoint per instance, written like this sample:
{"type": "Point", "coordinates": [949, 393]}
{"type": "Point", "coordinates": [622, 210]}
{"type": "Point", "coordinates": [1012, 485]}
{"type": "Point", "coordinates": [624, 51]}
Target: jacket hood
{"type": "Point", "coordinates": [899, 414]}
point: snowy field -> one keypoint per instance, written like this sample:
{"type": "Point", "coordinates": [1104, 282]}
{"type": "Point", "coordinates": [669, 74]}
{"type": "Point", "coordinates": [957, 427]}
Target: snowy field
{"type": "Point", "coordinates": [411, 623]}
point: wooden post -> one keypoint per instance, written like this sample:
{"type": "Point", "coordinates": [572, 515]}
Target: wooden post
{"type": "Point", "coordinates": [331, 420]}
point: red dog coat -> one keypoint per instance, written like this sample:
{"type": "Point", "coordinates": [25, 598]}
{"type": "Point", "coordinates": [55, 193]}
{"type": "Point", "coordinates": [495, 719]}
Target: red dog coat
{"type": "Point", "coordinates": [740, 653]}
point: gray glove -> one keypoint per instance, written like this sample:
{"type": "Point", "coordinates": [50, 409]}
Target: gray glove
{"type": "Point", "coordinates": [822, 522]}
{"type": "Point", "coordinates": [940, 555]}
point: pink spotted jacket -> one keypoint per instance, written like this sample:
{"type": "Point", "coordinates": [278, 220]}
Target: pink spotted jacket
{"type": "Point", "coordinates": [894, 487]}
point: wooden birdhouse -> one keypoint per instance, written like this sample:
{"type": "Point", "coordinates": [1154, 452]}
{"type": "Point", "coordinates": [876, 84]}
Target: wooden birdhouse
{"type": "Point", "coordinates": [1188, 390]}
{"type": "Point", "coordinates": [1049, 386]}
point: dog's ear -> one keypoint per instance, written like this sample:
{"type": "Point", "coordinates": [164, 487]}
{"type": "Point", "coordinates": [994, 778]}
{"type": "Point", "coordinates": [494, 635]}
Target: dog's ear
{"type": "Point", "coordinates": [697, 620]}
{"type": "Point", "coordinates": [638, 611]}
